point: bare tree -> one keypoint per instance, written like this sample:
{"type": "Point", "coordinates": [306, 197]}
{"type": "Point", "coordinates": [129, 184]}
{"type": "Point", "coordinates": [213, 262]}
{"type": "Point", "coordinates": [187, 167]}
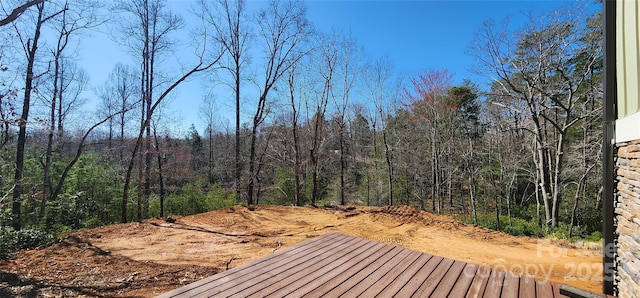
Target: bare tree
{"type": "Point", "coordinates": [119, 93]}
{"type": "Point", "coordinates": [294, 97]}
{"type": "Point", "coordinates": [201, 66]}
{"type": "Point", "coordinates": [378, 82]}
{"type": "Point", "coordinates": [426, 97]}
{"type": "Point", "coordinates": [283, 29]}
{"type": "Point", "coordinates": [350, 69]}
{"type": "Point", "coordinates": [229, 23]}
{"type": "Point", "coordinates": [71, 20]}
{"type": "Point", "coordinates": [536, 67]}
{"type": "Point", "coordinates": [325, 62]}
{"type": "Point", "coordinates": [16, 12]}
{"type": "Point", "coordinates": [149, 36]}
{"type": "Point", "coordinates": [208, 115]}
{"type": "Point", "coordinates": [30, 47]}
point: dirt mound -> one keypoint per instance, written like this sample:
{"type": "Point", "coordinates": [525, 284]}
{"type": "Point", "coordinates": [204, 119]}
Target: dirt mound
{"type": "Point", "coordinates": [148, 258]}
{"type": "Point", "coordinates": [402, 214]}
{"type": "Point", "coordinates": [75, 267]}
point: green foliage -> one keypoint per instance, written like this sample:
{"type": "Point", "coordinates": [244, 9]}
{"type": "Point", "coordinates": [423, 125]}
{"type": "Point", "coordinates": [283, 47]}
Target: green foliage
{"type": "Point", "coordinates": [12, 240]}
{"type": "Point", "coordinates": [520, 227]}
{"type": "Point", "coordinates": [190, 200]}
{"type": "Point", "coordinates": [6, 218]}
{"type": "Point", "coordinates": [71, 212]}
{"type": "Point", "coordinates": [516, 227]}
{"type": "Point", "coordinates": [219, 198]}
{"type": "Point", "coordinates": [97, 177]}
{"type": "Point", "coordinates": [284, 187]}
{"type": "Point", "coordinates": [400, 191]}
{"type": "Point", "coordinates": [88, 198]}
{"type": "Point", "coordinates": [595, 236]}
{"type": "Point", "coordinates": [323, 187]}
{"type": "Point", "coordinates": [193, 198]}
{"type": "Point", "coordinates": [194, 140]}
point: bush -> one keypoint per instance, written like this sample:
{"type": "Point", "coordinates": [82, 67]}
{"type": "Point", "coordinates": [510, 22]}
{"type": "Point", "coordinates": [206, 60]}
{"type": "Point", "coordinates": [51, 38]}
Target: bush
{"type": "Point", "coordinates": [193, 198]}
{"type": "Point", "coordinates": [518, 226]}
{"type": "Point", "coordinates": [595, 236]}
{"type": "Point", "coordinates": [12, 240]}
{"type": "Point", "coordinates": [521, 227]}
{"type": "Point", "coordinates": [8, 242]}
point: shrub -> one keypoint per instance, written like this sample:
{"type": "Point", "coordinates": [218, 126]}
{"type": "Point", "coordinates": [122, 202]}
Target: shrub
{"type": "Point", "coordinates": [595, 236]}
{"type": "Point", "coordinates": [518, 226]}
{"type": "Point", "coordinates": [12, 240]}
{"type": "Point", "coordinates": [193, 198]}
{"type": "Point", "coordinates": [6, 217]}
{"type": "Point", "coordinates": [521, 227]}
{"type": "Point", "coordinates": [8, 241]}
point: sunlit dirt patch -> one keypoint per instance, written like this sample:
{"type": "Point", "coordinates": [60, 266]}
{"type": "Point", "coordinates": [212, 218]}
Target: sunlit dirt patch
{"type": "Point", "coordinates": [144, 259]}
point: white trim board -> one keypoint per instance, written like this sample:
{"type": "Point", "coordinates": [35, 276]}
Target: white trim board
{"type": "Point", "coordinates": [628, 128]}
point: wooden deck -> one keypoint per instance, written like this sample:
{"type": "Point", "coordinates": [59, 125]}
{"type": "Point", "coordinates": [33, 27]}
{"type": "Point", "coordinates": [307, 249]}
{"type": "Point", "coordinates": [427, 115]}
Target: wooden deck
{"type": "Point", "coordinates": [337, 265]}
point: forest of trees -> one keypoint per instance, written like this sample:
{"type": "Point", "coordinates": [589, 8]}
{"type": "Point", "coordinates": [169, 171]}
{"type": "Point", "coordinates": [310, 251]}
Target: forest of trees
{"type": "Point", "coordinates": [328, 124]}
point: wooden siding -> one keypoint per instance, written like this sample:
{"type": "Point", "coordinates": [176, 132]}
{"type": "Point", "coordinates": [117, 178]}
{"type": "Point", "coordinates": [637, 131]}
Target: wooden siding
{"type": "Point", "coordinates": [628, 57]}
{"type": "Point", "coordinates": [337, 265]}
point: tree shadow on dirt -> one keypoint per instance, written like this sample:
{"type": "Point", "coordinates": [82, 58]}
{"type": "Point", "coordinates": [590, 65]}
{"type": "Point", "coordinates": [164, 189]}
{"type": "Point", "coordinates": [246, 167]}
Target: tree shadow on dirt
{"type": "Point", "coordinates": [12, 285]}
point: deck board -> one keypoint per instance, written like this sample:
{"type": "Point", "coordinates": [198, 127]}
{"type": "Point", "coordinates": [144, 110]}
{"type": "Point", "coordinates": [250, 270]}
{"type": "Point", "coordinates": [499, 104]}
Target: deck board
{"type": "Point", "coordinates": [452, 278]}
{"type": "Point", "coordinates": [256, 272]}
{"type": "Point", "coordinates": [320, 268]}
{"type": "Point", "coordinates": [479, 283]}
{"type": "Point", "coordinates": [329, 290]}
{"type": "Point", "coordinates": [390, 276]}
{"type": "Point", "coordinates": [462, 285]}
{"type": "Point", "coordinates": [433, 278]}
{"type": "Point", "coordinates": [407, 274]}
{"type": "Point", "coordinates": [544, 289]}
{"type": "Point", "coordinates": [324, 283]}
{"type": "Point", "coordinates": [414, 283]}
{"type": "Point", "coordinates": [192, 289]}
{"type": "Point", "coordinates": [286, 270]}
{"type": "Point", "coordinates": [494, 284]}
{"type": "Point", "coordinates": [511, 286]}
{"type": "Point", "coordinates": [374, 276]}
{"type": "Point", "coordinates": [337, 265]}
{"type": "Point", "coordinates": [527, 287]}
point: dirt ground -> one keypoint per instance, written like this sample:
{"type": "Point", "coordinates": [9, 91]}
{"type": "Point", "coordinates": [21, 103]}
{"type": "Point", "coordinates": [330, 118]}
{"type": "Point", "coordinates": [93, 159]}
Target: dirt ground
{"type": "Point", "coordinates": [149, 258]}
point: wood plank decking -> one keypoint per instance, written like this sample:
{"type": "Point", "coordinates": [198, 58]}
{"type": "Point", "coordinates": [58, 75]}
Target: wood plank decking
{"type": "Point", "coordinates": [337, 265]}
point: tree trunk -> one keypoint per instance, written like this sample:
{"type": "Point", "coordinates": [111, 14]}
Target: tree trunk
{"type": "Point", "coordinates": [296, 153]}
{"type": "Point", "coordinates": [252, 161]}
{"type": "Point", "coordinates": [22, 122]}
{"type": "Point", "coordinates": [315, 155]}
{"type": "Point", "coordinates": [160, 176]}
{"type": "Point", "coordinates": [52, 125]}
{"type": "Point", "coordinates": [238, 165]}
{"type": "Point", "coordinates": [210, 170]}
{"type": "Point", "coordinates": [497, 213]}
{"type": "Point", "coordinates": [342, 164]}
{"type": "Point", "coordinates": [557, 194]}
{"type": "Point", "coordinates": [435, 168]}
{"type": "Point", "coordinates": [387, 154]}
{"type": "Point", "coordinates": [472, 186]}
{"type": "Point", "coordinates": [375, 163]}
{"type": "Point", "coordinates": [136, 148]}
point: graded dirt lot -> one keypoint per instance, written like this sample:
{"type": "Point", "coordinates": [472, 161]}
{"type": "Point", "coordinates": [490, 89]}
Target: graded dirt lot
{"type": "Point", "coordinates": [148, 258]}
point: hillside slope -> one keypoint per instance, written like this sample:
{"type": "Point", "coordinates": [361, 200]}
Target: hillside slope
{"type": "Point", "coordinates": [157, 255]}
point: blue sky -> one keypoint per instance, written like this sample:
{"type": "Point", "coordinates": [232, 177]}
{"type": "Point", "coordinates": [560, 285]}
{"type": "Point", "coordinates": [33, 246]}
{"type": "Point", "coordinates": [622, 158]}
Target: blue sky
{"type": "Point", "coordinates": [419, 35]}
{"type": "Point", "coordinates": [415, 35]}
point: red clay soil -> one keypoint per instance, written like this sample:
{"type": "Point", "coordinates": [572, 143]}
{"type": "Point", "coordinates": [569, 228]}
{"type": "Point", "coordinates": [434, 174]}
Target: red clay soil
{"type": "Point", "coordinates": [152, 257]}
